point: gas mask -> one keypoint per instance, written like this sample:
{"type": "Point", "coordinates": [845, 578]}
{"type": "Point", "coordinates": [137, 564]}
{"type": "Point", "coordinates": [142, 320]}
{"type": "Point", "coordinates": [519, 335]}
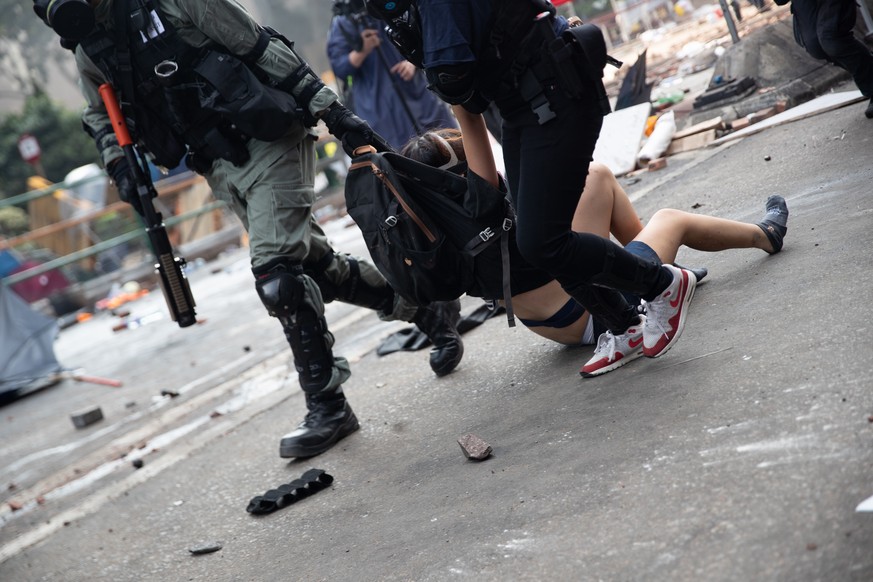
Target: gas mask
{"type": "Point", "coordinates": [70, 19]}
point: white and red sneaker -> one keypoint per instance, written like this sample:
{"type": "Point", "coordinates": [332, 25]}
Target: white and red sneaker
{"type": "Point", "coordinates": [665, 315]}
{"type": "Point", "coordinates": [614, 351]}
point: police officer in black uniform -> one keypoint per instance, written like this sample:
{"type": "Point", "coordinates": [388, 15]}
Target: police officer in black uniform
{"type": "Point", "coordinates": [204, 82]}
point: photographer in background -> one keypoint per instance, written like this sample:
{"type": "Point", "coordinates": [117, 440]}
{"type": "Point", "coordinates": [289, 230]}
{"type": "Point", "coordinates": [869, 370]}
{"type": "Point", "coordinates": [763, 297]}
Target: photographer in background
{"type": "Point", "coordinates": [386, 89]}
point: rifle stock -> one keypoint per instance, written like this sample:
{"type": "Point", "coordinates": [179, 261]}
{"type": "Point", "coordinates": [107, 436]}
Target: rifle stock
{"type": "Point", "coordinates": [169, 267]}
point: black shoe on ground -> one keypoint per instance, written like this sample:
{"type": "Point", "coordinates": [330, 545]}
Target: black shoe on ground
{"type": "Point", "coordinates": [869, 111]}
{"type": "Point", "coordinates": [329, 419]}
{"type": "Point", "coordinates": [439, 322]}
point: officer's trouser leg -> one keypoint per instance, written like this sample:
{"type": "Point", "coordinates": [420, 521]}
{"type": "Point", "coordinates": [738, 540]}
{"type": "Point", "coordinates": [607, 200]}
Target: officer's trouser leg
{"type": "Point", "coordinates": [295, 300]}
{"type": "Point", "coordinates": [347, 279]}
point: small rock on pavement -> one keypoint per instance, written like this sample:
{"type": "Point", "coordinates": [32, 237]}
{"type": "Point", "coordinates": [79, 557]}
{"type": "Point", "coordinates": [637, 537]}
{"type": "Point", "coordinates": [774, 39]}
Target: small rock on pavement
{"type": "Point", "coordinates": [205, 548]}
{"type": "Point", "coordinates": [474, 447]}
{"type": "Point", "coordinates": [87, 417]}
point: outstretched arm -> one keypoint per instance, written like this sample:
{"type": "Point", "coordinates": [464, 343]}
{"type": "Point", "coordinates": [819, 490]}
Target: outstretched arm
{"type": "Point", "coordinates": [477, 145]}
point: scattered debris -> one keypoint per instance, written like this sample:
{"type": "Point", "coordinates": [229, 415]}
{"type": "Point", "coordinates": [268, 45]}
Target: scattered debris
{"type": "Point", "coordinates": [767, 158]}
{"type": "Point", "coordinates": [138, 322]}
{"type": "Point", "coordinates": [118, 296]}
{"type": "Point", "coordinates": [14, 505]}
{"type": "Point", "coordinates": [474, 447]}
{"type": "Point", "coordinates": [205, 548]}
{"type": "Point", "coordinates": [312, 481]}
{"type": "Point", "coordinates": [658, 164]}
{"type": "Point", "coordinates": [87, 417]}
{"type": "Point", "coordinates": [137, 463]}
{"type": "Point", "coordinates": [170, 393]}
{"type": "Point", "coordinates": [78, 377]}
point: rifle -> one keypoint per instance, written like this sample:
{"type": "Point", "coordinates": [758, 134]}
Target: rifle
{"type": "Point", "coordinates": [174, 284]}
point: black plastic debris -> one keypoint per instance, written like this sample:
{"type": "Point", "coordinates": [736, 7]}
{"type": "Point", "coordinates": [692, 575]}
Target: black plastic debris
{"type": "Point", "coordinates": [206, 548]}
{"type": "Point", "coordinates": [311, 482]}
{"type": "Point", "coordinates": [727, 91]}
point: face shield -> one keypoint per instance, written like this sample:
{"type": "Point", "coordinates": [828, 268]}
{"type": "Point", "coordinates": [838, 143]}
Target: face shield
{"type": "Point", "coordinates": [70, 19]}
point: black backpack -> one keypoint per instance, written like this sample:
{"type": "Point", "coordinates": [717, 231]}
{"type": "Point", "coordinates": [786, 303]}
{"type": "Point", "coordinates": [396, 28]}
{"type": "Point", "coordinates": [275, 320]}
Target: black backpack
{"type": "Point", "coordinates": [429, 235]}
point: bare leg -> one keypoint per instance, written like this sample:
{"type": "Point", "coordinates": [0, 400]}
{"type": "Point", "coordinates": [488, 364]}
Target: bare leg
{"type": "Point", "coordinates": [669, 229]}
{"type": "Point", "coordinates": [605, 208]}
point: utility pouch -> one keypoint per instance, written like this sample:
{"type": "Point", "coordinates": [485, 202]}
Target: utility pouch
{"type": "Point", "coordinates": [218, 144]}
{"type": "Point", "coordinates": [233, 91]}
{"type": "Point", "coordinates": [590, 59]}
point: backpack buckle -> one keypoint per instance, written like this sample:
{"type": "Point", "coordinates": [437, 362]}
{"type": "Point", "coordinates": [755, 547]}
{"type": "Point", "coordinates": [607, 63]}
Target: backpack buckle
{"type": "Point", "coordinates": [391, 221]}
{"type": "Point", "coordinates": [507, 224]}
{"type": "Point", "coordinates": [486, 234]}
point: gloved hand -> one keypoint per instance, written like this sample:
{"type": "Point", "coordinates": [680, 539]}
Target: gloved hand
{"type": "Point", "coordinates": [353, 131]}
{"type": "Point", "coordinates": [122, 175]}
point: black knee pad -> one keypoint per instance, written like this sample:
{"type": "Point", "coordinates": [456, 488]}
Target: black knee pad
{"type": "Point", "coordinates": [281, 290]}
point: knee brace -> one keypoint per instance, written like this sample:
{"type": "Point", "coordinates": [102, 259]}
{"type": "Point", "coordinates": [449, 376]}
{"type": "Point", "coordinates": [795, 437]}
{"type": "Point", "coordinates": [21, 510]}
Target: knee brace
{"type": "Point", "coordinates": [283, 291]}
{"type": "Point", "coordinates": [354, 290]}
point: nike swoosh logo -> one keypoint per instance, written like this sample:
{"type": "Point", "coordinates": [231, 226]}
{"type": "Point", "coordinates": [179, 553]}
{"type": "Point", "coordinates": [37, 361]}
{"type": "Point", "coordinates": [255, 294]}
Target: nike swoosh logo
{"type": "Point", "coordinates": [635, 343]}
{"type": "Point", "coordinates": [679, 294]}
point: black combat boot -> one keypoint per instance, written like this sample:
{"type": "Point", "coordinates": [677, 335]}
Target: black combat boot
{"type": "Point", "coordinates": [330, 418]}
{"type": "Point", "coordinates": [439, 322]}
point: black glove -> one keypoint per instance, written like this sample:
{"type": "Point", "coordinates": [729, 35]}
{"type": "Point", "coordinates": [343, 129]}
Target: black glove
{"type": "Point", "coordinates": [125, 183]}
{"type": "Point", "coordinates": [353, 131]}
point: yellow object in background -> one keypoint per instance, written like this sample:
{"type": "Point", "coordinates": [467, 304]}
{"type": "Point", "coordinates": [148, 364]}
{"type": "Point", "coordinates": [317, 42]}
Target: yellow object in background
{"type": "Point", "coordinates": [650, 124]}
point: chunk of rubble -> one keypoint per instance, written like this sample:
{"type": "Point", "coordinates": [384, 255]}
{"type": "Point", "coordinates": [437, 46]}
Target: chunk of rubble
{"type": "Point", "coordinates": [474, 447]}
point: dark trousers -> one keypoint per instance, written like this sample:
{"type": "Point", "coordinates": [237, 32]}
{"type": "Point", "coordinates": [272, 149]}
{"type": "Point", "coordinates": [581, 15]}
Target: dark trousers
{"type": "Point", "coordinates": [825, 29]}
{"type": "Point", "coordinates": [546, 167]}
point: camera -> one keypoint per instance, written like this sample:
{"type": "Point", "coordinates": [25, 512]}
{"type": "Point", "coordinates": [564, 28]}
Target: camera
{"type": "Point", "coordinates": [71, 19]}
{"type": "Point", "coordinates": [350, 8]}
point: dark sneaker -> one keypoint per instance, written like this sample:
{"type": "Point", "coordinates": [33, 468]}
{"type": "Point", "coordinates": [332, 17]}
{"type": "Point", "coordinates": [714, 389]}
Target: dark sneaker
{"type": "Point", "coordinates": [439, 322]}
{"type": "Point", "coordinates": [325, 424]}
{"type": "Point", "coordinates": [614, 351]}
{"type": "Point", "coordinates": [665, 315]}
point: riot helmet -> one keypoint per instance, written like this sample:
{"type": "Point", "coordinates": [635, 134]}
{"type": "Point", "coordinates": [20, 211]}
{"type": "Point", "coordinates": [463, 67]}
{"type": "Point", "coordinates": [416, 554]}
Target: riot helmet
{"type": "Point", "coordinates": [71, 19]}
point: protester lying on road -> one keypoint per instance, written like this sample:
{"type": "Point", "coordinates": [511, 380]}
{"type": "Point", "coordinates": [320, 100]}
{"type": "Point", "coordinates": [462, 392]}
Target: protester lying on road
{"type": "Point", "coordinates": [604, 208]}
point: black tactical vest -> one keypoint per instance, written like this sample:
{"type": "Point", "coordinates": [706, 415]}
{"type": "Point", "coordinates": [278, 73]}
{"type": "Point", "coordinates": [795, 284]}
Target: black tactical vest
{"type": "Point", "coordinates": [183, 99]}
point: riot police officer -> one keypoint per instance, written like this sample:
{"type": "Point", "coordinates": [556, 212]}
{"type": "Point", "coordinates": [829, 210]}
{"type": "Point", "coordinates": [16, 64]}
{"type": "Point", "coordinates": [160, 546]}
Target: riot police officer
{"type": "Point", "coordinates": [546, 80]}
{"type": "Point", "coordinates": [203, 81]}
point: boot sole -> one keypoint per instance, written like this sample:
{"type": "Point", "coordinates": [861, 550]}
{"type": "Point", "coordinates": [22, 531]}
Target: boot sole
{"type": "Point", "coordinates": [293, 451]}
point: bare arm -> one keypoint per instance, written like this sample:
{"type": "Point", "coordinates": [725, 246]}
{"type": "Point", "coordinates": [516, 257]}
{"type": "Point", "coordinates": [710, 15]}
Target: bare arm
{"type": "Point", "coordinates": [477, 146]}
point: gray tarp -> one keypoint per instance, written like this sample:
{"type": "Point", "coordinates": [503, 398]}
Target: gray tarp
{"type": "Point", "coordinates": [27, 353]}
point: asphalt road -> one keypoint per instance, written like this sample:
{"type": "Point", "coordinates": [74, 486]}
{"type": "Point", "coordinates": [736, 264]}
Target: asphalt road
{"type": "Point", "coordinates": [742, 454]}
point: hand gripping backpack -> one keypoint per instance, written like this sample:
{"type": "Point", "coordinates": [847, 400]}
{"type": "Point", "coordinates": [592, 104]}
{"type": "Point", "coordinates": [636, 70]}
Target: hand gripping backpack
{"type": "Point", "coordinates": [430, 235]}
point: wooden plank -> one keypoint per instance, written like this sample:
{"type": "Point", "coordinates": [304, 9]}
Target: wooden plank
{"type": "Point", "coordinates": [714, 123]}
{"type": "Point", "coordinates": [818, 105]}
{"type": "Point", "coordinates": [691, 142]}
